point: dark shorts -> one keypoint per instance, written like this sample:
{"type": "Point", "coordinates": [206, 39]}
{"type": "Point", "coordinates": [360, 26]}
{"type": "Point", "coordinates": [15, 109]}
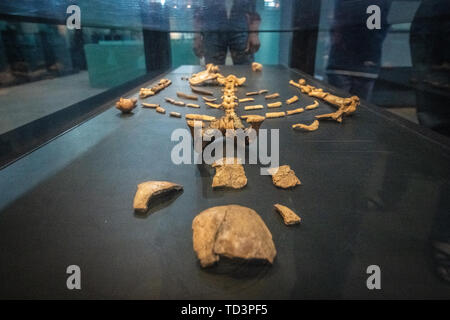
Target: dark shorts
{"type": "Point", "coordinates": [216, 44]}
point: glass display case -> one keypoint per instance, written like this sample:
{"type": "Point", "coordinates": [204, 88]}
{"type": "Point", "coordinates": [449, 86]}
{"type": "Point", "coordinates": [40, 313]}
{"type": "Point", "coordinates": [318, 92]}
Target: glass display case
{"type": "Point", "coordinates": [360, 113]}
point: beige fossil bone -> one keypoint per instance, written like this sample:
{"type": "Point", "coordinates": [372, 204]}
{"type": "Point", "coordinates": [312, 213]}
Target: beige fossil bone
{"type": "Point", "coordinates": [147, 191]}
{"type": "Point", "coordinates": [312, 106]}
{"type": "Point", "coordinates": [126, 105]}
{"type": "Point", "coordinates": [246, 100]}
{"type": "Point", "coordinates": [229, 173]}
{"type": "Point", "coordinates": [213, 105]}
{"type": "Point", "coordinates": [284, 177]}
{"type": "Point", "coordinates": [292, 100]}
{"type": "Point", "coordinates": [270, 115]}
{"type": "Point", "coordinates": [186, 96]}
{"type": "Point", "coordinates": [262, 91]}
{"type": "Point", "coordinates": [162, 84]}
{"type": "Point", "coordinates": [255, 107]}
{"type": "Point", "coordinates": [211, 73]}
{"type": "Point", "coordinates": [289, 216]}
{"type": "Point", "coordinates": [175, 114]}
{"type": "Point", "coordinates": [312, 127]}
{"type": "Point", "coordinates": [295, 111]}
{"type": "Point", "coordinates": [272, 96]}
{"type": "Point", "coordinates": [252, 93]}
{"type": "Point", "coordinates": [201, 91]}
{"type": "Point", "coordinates": [204, 117]}
{"type": "Point", "coordinates": [231, 231]}
{"type": "Point", "coordinates": [160, 110]}
{"type": "Point", "coordinates": [150, 105]}
{"type": "Point", "coordinates": [257, 67]}
{"type": "Point", "coordinates": [192, 105]}
{"type": "Point", "coordinates": [274, 105]}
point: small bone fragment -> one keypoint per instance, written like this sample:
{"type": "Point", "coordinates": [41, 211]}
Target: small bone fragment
{"type": "Point", "coordinates": [295, 84]}
{"type": "Point", "coordinates": [272, 96]}
{"type": "Point", "coordinates": [175, 114]}
{"type": "Point", "coordinates": [263, 91]}
{"type": "Point", "coordinates": [160, 110]}
{"type": "Point", "coordinates": [186, 96]}
{"type": "Point", "coordinates": [253, 118]}
{"type": "Point", "coordinates": [229, 173]}
{"type": "Point", "coordinates": [246, 100]}
{"type": "Point", "coordinates": [255, 107]}
{"type": "Point", "coordinates": [209, 99]}
{"type": "Point", "coordinates": [284, 177]}
{"type": "Point", "coordinates": [175, 102]}
{"type": "Point", "coordinates": [147, 191]}
{"type": "Point", "coordinates": [312, 127]}
{"type": "Point", "coordinates": [275, 114]}
{"type": "Point", "coordinates": [146, 92]}
{"type": "Point", "coordinates": [292, 100]}
{"type": "Point", "coordinates": [274, 105]}
{"type": "Point", "coordinates": [150, 105]}
{"type": "Point", "coordinates": [204, 117]}
{"type": "Point", "coordinates": [213, 105]}
{"type": "Point", "coordinates": [201, 91]}
{"type": "Point", "coordinates": [192, 105]}
{"type": "Point", "coordinates": [312, 106]}
{"type": "Point", "coordinates": [126, 105]}
{"type": "Point", "coordinates": [298, 110]}
{"type": "Point", "coordinates": [257, 67]}
{"type": "Point", "coordinates": [231, 231]}
{"type": "Point", "coordinates": [289, 216]}
{"type": "Point", "coordinates": [252, 93]}
{"type": "Point", "coordinates": [170, 100]}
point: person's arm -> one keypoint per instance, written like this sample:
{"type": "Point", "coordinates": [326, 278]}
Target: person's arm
{"type": "Point", "coordinates": [253, 20]}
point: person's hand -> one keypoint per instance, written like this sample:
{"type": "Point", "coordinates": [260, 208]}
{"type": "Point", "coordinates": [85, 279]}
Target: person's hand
{"type": "Point", "coordinates": [253, 43]}
{"type": "Point", "coordinates": [198, 45]}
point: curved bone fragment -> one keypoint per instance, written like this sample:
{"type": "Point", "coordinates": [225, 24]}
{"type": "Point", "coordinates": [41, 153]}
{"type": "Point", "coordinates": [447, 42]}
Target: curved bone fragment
{"type": "Point", "coordinates": [275, 114]}
{"type": "Point", "coordinates": [213, 105]}
{"type": "Point", "coordinates": [312, 127]}
{"type": "Point", "coordinates": [229, 173]}
{"type": "Point", "coordinates": [231, 231]}
{"type": "Point", "coordinates": [272, 96]}
{"type": "Point", "coordinates": [204, 117]}
{"type": "Point", "coordinates": [257, 67]}
{"type": "Point", "coordinates": [289, 216]}
{"type": "Point", "coordinates": [255, 107]}
{"type": "Point", "coordinates": [252, 93]}
{"type": "Point", "coordinates": [312, 106]}
{"type": "Point", "coordinates": [274, 105]}
{"type": "Point", "coordinates": [298, 110]}
{"type": "Point", "coordinates": [284, 177]}
{"type": "Point", "coordinates": [292, 100]}
{"type": "Point", "coordinates": [186, 96]}
{"type": "Point", "coordinates": [147, 191]}
{"type": "Point", "coordinates": [126, 105]}
{"type": "Point", "coordinates": [201, 91]}
{"type": "Point", "coordinates": [209, 99]}
{"type": "Point", "coordinates": [262, 91]}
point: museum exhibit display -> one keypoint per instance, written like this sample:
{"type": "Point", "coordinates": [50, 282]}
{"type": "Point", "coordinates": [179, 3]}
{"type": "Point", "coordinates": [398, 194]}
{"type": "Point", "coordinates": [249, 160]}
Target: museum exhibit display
{"type": "Point", "coordinates": [259, 150]}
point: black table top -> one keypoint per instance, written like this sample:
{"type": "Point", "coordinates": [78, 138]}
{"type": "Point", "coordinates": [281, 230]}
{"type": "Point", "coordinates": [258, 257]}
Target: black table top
{"type": "Point", "coordinates": [374, 191]}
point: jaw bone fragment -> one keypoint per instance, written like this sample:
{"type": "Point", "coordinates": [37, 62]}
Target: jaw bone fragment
{"type": "Point", "coordinates": [289, 216]}
{"type": "Point", "coordinates": [147, 191]}
{"type": "Point", "coordinates": [284, 177]}
{"type": "Point", "coordinates": [231, 231]}
{"type": "Point", "coordinates": [312, 127]}
{"type": "Point", "coordinates": [229, 173]}
{"type": "Point", "coordinates": [126, 105]}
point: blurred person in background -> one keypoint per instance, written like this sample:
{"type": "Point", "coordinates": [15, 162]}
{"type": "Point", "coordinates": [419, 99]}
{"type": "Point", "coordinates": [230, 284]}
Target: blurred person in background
{"type": "Point", "coordinates": [223, 25]}
{"type": "Point", "coordinates": [355, 54]}
{"type": "Point", "coordinates": [430, 53]}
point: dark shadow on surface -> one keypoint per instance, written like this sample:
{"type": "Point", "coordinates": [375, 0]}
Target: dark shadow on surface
{"type": "Point", "coordinates": [159, 202]}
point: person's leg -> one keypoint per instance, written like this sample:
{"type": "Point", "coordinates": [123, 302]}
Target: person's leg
{"type": "Point", "coordinates": [340, 81]}
{"type": "Point", "coordinates": [215, 48]}
{"type": "Point", "coordinates": [362, 87]}
{"type": "Point", "coordinates": [237, 42]}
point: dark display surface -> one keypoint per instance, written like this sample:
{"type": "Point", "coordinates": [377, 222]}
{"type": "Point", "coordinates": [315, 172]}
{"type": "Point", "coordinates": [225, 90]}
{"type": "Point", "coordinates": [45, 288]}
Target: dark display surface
{"type": "Point", "coordinates": [374, 192]}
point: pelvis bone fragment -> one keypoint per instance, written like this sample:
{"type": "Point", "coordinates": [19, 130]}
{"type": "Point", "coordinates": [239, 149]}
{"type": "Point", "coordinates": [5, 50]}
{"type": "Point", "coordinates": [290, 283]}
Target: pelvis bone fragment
{"type": "Point", "coordinates": [147, 191]}
{"type": "Point", "coordinates": [231, 231]}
